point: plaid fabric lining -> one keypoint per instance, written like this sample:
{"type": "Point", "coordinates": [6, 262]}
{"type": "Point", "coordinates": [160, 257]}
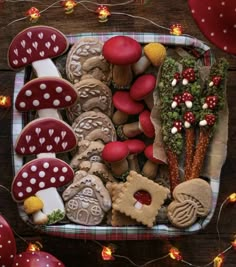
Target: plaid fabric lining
{"type": "Point", "coordinates": [130, 232]}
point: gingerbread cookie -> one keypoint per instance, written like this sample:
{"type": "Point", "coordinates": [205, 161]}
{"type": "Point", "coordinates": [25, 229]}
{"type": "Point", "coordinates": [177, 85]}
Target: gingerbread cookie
{"type": "Point", "coordinates": [36, 46]}
{"type": "Point", "coordinates": [85, 60]}
{"type": "Point", "coordinates": [140, 199]}
{"type": "Point", "coordinates": [86, 200]}
{"type": "Point", "coordinates": [192, 199]}
{"type": "Point", "coordinates": [45, 135]}
{"type": "Point", "coordinates": [46, 95]}
{"type": "Point", "coordinates": [42, 177]}
{"type": "Point", "coordinates": [93, 126]}
{"type": "Point", "coordinates": [92, 95]}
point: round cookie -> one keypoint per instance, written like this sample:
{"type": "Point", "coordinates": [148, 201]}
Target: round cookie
{"type": "Point", "coordinates": [85, 59]}
{"type": "Point", "coordinates": [92, 126]}
{"type": "Point", "coordinates": [92, 95]}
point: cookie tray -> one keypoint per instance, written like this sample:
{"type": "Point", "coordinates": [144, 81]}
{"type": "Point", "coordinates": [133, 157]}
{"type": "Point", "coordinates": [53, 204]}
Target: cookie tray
{"type": "Point", "coordinates": [106, 232]}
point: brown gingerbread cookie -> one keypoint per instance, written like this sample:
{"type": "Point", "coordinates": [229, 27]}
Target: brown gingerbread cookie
{"type": "Point", "coordinates": [85, 60]}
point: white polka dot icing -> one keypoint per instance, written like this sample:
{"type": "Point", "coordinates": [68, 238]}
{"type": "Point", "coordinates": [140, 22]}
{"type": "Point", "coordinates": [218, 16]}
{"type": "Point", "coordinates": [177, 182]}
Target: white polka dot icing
{"type": "Point", "coordinates": [68, 98]}
{"type": "Point", "coordinates": [36, 103]}
{"type": "Point", "coordinates": [24, 174]}
{"type": "Point", "coordinates": [64, 169]}
{"type": "Point", "coordinates": [46, 165]}
{"type": "Point", "coordinates": [46, 96]}
{"type": "Point", "coordinates": [33, 168]}
{"type": "Point", "coordinates": [41, 184]}
{"type": "Point", "coordinates": [58, 89]}
{"type": "Point", "coordinates": [28, 93]}
{"type": "Point", "coordinates": [22, 104]}
{"type": "Point", "coordinates": [56, 102]}
{"type": "Point", "coordinates": [42, 174]}
{"type": "Point", "coordinates": [42, 86]}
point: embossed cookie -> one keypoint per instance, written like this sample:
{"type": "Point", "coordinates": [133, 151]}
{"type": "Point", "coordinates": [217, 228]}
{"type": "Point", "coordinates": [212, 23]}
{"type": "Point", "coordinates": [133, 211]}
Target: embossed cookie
{"type": "Point", "coordinates": [45, 135]}
{"type": "Point", "coordinates": [85, 59]}
{"type": "Point", "coordinates": [86, 200]}
{"type": "Point", "coordinates": [92, 95]}
{"type": "Point", "coordinates": [36, 46]}
{"type": "Point", "coordinates": [140, 198]}
{"type": "Point", "coordinates": [94, 126]}
{"type": "Point", "coordinates": [46, 95]}
{"type": "Point", "coordinates": [192, 199]}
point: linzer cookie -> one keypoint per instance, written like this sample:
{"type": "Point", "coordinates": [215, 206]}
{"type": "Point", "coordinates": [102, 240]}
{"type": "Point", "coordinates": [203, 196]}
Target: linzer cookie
{"type": "Point", "coordinates": [37, 45]}
{"type": "Point", "coordinates": [46, 95]}
{"type": "Point", "coordinates": [192, 199]}
{"type": "Point", "coordinates": [86, 200]}
{"type": "Point", "coordinates": [93, 126]}
{"type": "Point", "coordinates": [92, 95]}
{"type": "Point", "coordinates": [45, 135]}
{"type": "Point", "coordinates": [141, 199]}
{"type": "Point", "coordinates": [41, 178]}
{"type": "Point", "coordinates": [85, 59]}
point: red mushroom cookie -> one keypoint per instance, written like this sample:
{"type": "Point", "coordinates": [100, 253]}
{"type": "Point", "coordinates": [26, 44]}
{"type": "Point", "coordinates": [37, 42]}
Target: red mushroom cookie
{"type": "Point", "coordinates": [142, 89]}
{"type": "Point", "coordinates": [37, 45]}
{"type": "Point", "coordinates": [32, 258]}
{"type": "Point", "coordinates": [122, 52]}
{"type": "Point", "coordinates": [42, 94]}
{"type": "Point", "coordinates": [41, 177]}
{"type": "Point", "coordinates": [125, 105]}
{"type": "Point", "coordinates": [45, 135]}
{"type": "Point", "coordinates": [7, 243]}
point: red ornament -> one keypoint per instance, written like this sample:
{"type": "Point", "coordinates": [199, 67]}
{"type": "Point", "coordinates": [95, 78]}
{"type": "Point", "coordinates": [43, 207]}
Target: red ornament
{"type": "Point", "coordinates": [107, 253]}
{"type": "Point", "coordinates": [177, 127]}
{"type": "Point", "coordinates": [189, 118]}
{"type": "Point", "coordinates": [34, 14]}
{"type": "Point", "coordinates": [210, 102]}
{"type": "Point", "coordinates": [215, 81]}
{"type": "Point", "coordinates": [69, 6]}
{"type": "Point", "coordinates": [187, 98]}
{"type": "Point", "coordinates": [176, 79]}
{"type": "Point", "coordinates": [176, 29]}
{"type": "Point", "coordinates": [209, 119]}
{"type": "Point", "coordinates": [103, 13]}
{"type": "Point", "coordinates": [176, 101]}
{"type": "Point", "coordinates": [175, 254]}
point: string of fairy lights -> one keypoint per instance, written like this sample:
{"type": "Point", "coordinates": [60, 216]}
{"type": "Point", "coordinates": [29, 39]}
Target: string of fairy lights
{"type": "Point", "coordinates": [103, 13]}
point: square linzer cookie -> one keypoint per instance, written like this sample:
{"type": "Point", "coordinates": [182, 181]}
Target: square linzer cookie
{"type": "Point", "coordinates": [141, 198]}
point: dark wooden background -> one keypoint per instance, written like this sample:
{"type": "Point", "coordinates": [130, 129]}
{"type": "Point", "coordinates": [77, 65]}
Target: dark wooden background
{"type": "Point", "coordinates": [199, 249]}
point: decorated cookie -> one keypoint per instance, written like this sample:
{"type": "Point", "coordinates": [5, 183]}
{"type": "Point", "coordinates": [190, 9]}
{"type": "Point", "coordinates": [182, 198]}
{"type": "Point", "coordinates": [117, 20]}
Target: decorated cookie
{"type": "Point", "coordinates": [86, 200]}
{"type": "Point", "coordinates": [92, 95]}
{"type": "Point", "coordinates": [93, 126]}
{"type": "Point", "coordinates": [7, 243]}
{"type": "Point", "coordinates": [45, 135]}
{"type": "Point", "coordinates": [37, 45]}
{"type": "Point", "coordinates": [85, 60]}
{"type": "Point", "coordinates": [41, 178]}
{"type": "Point", "coordinates": [140, 199]}
{"type": "Point", "coordinates": [192, 199]}
{"type": "Point", "coordinates": [46, 95]}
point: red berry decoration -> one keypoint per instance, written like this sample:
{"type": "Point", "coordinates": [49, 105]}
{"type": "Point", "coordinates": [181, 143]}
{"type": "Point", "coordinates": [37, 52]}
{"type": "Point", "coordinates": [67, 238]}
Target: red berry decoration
{"type": "Point", "coordinates": [187, 98]}
{"type": "Point", "coordinates": [215, 81]}
{"type": "Point", "coordinates": [176, 101]}
{"type": "Point", "coordinates": [176, 79]}
{"type": "Point", "coordinates": [177, 127]}
{"type": "Point", "coordinates": [209, 120]}
{"type": "Point", "coordinates": [189, 118]}
{"type": "Point", "coordinates": [188, 76]}
{"type": "Point", "coordinates": [210, 102]}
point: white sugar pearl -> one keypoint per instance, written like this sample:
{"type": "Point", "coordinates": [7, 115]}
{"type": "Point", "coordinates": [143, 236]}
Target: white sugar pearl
{"type": "Point", "coordinates": [36, 103]}
{"type": "Point", "coordinates": [20, 194]}
{"type": "Point", "coordinates": [33, 181]}
{"type": "Point", "coordinates": [56, 102]}
{"type": "Point", "coordinates": [43, 86]}
{"type": "Point", "coordinates": [59, 89]}
{"type": "Point", "coordinates": [24, 174]}
{"type": "Point", "coordinates": [41, 184]}
{"type": "Point", "coordinates": [28, 189]}
{"type": "Point", "coordinates": [55, 169]}
{"type": "Point", "coordinates": [28, 93]}
{"type": "Point", "coordinates": [53, 180]}
{"type": "Point", "coordinates": [22, 104]}
{"type": "Point", "coordinates": [64, 169]}
{"type": "Point", "coordinates": [46, 96]}
{"type": "Point", "coordinates": [62, 178]}
{"type": "Point", "coordinates": [46, 165]}
{"type": "Point", "coordinates": [19, 184]}
{"type": "Point", "coordinates": [68, 98]}
{"type": "Point", "coordinates": [33, 168]}
{"type": "Point", "coordinates": [42, 174]}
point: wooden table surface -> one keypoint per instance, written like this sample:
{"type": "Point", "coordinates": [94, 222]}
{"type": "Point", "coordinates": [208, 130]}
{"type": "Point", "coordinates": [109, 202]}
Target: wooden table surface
{"type": "Point", "coordinates": [200, 248]}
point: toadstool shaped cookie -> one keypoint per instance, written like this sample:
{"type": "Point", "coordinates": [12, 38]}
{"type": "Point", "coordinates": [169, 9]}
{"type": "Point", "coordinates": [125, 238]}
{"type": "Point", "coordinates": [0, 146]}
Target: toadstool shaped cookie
{"type": "Point", "coordinates": [122, 52]}
{"type": "Point", "coordinates": [36, 46]}
{"type": "Point", "coordinates": [31, 258]}
{"type": "Point", "coordinates": [41, 178]}
{"type": "Point", "coordinates": [45, 135]}
{"type": "Point", "coordinates": [7, 242]}
{"type": "Point", "coordinates": [46, 95]}
{"type": "Point", "coordinates": [192, 199]}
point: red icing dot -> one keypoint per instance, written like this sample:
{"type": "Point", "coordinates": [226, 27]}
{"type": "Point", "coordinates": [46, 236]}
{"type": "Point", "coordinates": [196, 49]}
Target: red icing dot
{"type": "Point", "coordinates": [143, 197]}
